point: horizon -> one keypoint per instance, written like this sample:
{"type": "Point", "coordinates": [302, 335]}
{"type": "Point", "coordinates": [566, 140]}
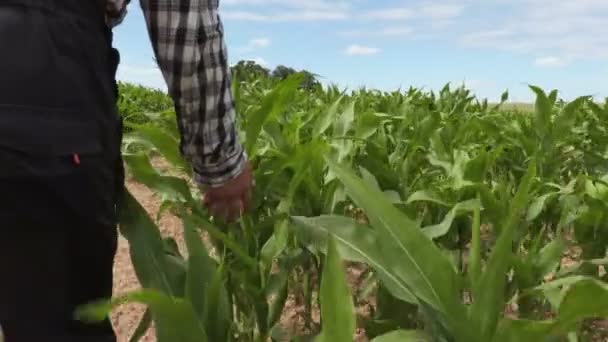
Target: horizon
{"type": "Point", "coordinates": [489, 46]}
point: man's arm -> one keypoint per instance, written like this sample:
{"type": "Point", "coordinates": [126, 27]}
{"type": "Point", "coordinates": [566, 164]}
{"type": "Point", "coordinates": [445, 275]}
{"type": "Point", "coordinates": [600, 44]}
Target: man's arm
{"type": "Point", "coordinates": [187, 38]}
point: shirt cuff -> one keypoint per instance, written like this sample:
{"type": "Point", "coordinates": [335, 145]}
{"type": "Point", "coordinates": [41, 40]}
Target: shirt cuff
{"type": "Point", "coordinates": [222, 172]}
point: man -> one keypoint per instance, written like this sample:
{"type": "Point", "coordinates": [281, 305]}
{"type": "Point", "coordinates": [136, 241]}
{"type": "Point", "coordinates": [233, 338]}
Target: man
{"type": "Point", "coordinates": [60, 166]}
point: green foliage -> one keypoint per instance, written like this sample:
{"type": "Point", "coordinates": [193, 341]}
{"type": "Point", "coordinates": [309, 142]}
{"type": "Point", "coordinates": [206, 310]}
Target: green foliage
{"type": "Point", "coordinates": [456, 209]}
{"type": "Point", "coordinates": [136, 102]}
{"type": "Point", "coordinates": [337, 307]}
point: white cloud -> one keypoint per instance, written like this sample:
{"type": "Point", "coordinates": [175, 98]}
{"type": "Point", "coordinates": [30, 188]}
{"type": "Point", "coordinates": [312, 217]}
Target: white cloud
{"type": "Point", "coordinates": [359, 50]}
{"type": "Point", "coordinates": [424, 16]}
{"type": "Point", "coordinates": [298, 4]}
{"type": "Point", "coordinates": [243, 16]}
{"type": "Point", "coordinates": [285, 10]}
{"type": "Point", "coordinates": [397, 13]}
{"type": "Point", "coordinates": [441, 11]}
{"type": "Point", "coordinates": [569, 29]}
{"type": "Point", "coordinates": [389, 31]}
{"type": "Point", "coordinates": [254, 45]}
{"type": "Point", "coordinates": [259, 42]}
{"type": "Point", "coordinates": [550, 62]}
{"type": "Point", "coordinates": [327, 10]}
{"type": "Point", "coordinates": [480, 38]}
{"type": "Point", "coordinates": [396, 31]}
{"type": "Point", "coordinates": [287, 16]}
{"type": "Point", "coordinates": [435, 11]}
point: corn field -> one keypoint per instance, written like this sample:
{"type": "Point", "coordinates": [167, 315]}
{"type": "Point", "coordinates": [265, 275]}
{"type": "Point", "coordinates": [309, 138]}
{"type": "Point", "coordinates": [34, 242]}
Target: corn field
{"type": "Point", "coordinates": [466, 222]}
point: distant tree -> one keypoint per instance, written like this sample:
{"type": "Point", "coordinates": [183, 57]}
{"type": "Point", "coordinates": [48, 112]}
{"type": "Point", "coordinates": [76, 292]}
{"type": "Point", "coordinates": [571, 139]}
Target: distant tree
{"type": "Point", "coordinates": [310, 81]}
{"type": "Point", "coordinates": [248, 70]}
{"type": "Point", "coordinates": [282, 72]}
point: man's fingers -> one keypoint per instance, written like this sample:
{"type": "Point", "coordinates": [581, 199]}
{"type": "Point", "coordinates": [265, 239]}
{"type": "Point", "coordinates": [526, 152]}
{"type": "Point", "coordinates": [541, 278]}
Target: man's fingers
{"type": "Point", "coordinates": [217, 210]}
{"type": "Point", "coordinates": [234, 211]}
{"type": "Point", "coordinates": [229, 202]}
{"type": "Point", "coordinates": [227, 211]}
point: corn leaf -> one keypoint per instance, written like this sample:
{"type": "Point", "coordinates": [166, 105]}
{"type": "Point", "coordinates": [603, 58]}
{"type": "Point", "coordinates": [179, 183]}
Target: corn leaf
{"type": "Point", "coordinates": [337, 308]}
{"type": "Point", "coordinates": [488, 293]}
{"type": "Point", "coordinates": [403, 336]}
{"type": "Point", "coordinates": [174, 317]}
{"type": "Point", "coordinates": [408, 253]}
{"type": "Point", "coordinates": [272, 105]}
{"type": "Point", "coordinates": [355, 242]}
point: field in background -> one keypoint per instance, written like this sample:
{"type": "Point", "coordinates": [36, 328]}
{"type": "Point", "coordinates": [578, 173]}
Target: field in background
{"type": "Point", "coordinates": [519, 106]}
{"type": "Point", "coordinates": [377, 216]}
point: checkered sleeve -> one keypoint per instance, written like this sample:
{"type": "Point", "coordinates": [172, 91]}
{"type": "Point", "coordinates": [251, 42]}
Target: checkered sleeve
{"type": "Point", "coordinates": [188, 41]}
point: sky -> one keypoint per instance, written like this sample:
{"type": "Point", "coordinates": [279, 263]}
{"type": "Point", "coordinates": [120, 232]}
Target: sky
{"type": "Point", "coordinates": [488, 45]}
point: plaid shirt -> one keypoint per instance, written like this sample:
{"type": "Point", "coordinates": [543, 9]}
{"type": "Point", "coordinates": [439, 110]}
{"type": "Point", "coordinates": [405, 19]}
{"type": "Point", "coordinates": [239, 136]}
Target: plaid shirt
{"type": "Point", "coordinates": [187, 39]}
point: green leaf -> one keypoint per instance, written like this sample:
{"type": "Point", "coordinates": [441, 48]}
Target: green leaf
{"type": "Point", "coordinates": [275, 244]}
{"type": "Point", "coordinates": [488, 293]}
{"type": "Point", "coordinates": [341, 128]}
{"type": "Point", "coordinates": [439, 230]}
{"type": "Point", "coordinates": [164, 143]}
{"type": "Point", "coordinates": [409, 254]}
{"type": "Point", "coordinates": [199, 287]}
{"type": "Point", "coordinates": [565, 121]}
{"type": "Point", "coordinates": [272, 104]}
{"type": "Point", "coordinates": [147, 250]}
{"type": "Point", "coordinates": [369, 178]}
{"type": "Point", "coordinates": [356, 242]}
{"type": "Point", "coordinates": [555, 284]}
{"type": "Point", "coordinates": [523, 330]}
{"type": "Point", "coordinates": [169, 188]}
{"type": "Point", "coordinates": [475, 252]}
{"type": "Point", "coordinates": [549, 257]}
{"type": "Point", "coordinates": [403, 336]}
{"type": "Point", "coordinates": [581, 264]}
{"type": "Point", "coordinates": [537, 206]}
{"type": "Point", "coordinates": [215, 233]}
{"type": "Point", "coordinates": [337, 308]}
{"type": "Point", "coordinates": [504, 97]}
{"type": "Point", "coordinates": [426, 196]}
{"type": "Point", "coordinates": [344, 123]}
{"type": "Point", "coordinates": [278, 289]}
{"type": "Point", "coordinates": [438, 147]}
{"type": "Point", "coordinates": [217, 311]}
{"type": "Point", "coordinates": [585, 299]}
{"type": "Point", "coordinates": [277, 135]}
{"type": "Point", "coordinates": [393, 196]}
{"type": "Point", "coordinates": [324, 121]}
{"type": "Point", "coordinates": [368, 125]}
{"type": "Point", "coordinates": [175, 320]}
{"type": "Point", "coordinates": [543, 107]}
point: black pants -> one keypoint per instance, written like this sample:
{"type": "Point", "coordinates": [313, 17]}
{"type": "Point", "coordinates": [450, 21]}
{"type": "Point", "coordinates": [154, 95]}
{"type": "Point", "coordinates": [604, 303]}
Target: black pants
{"type": "Point", "coordinates": [52, 259]}
{"type": "Point", "coordinates": [60, 170]}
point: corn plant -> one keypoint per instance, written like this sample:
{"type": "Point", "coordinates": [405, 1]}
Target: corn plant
{"type": "Point", "coordinates": [458, 209]}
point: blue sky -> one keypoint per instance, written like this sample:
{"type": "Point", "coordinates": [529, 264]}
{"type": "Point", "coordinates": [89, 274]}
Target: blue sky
{"type": "Point", "coordinates": [490, 45]}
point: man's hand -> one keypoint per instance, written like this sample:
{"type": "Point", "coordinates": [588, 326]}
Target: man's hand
{"type": "Point", "coordinates": [229, 201]}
